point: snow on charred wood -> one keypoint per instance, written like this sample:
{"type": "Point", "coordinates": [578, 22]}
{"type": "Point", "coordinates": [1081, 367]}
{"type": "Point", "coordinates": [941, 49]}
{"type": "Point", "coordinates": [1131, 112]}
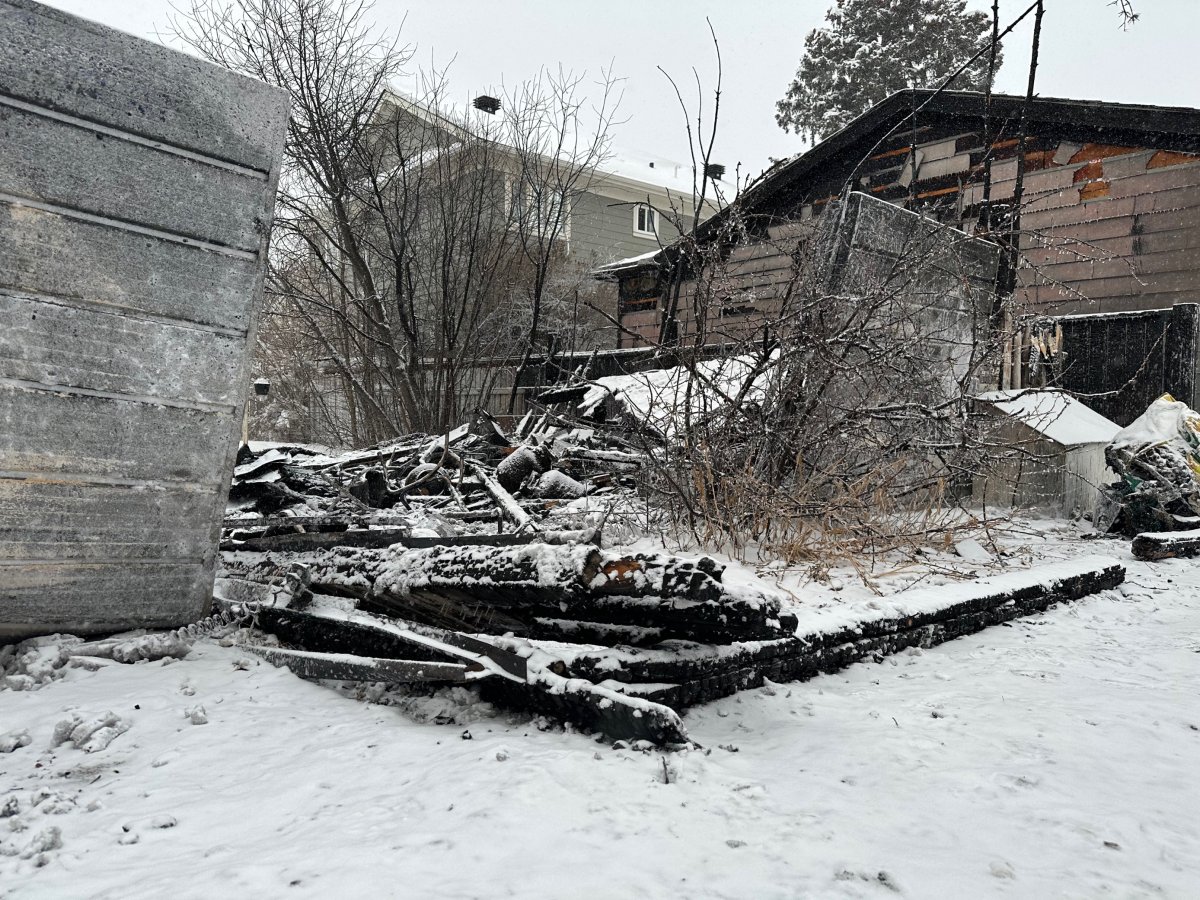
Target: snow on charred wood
{"type": "Point", "coordinates": [1152, 546]}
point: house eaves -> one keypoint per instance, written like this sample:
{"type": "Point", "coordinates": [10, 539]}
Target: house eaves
{"type": "Point", "coordinates": [422, 113]}
{"type": "Point", "coordinates": [631, 190]}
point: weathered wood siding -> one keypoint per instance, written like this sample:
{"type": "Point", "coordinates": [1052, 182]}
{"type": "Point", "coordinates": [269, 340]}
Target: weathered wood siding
{"type": "Point", "coordinates": [136, 191]}
{"type": "Point", "coordinates": [762, 283]}
{"type": "Point", "coordinates": [1106, 227]}
{"type": "Point", "coordinates": [1111, 217]}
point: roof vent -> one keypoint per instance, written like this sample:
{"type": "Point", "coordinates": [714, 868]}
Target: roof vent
{"type": "Point", "coordinates": [489, 105]}
{"type": "Point", "coordinates": [715, 171]}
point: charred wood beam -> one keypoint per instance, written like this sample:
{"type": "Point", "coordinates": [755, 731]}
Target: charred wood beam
{"type": "Point", "coordinates": [335, 650]}
{"type": "Point", "coordinates": [386, 537]}
{"type": "Point", "coordinates": [499, 589]}
{"type": "Point", "coordinates": [1156, 545]}
{"type": "Point", "coordinates": [593, 708]}
{"type": "Point", "coordinates": [701, 674]}
{"type": "Point", "coordinates": [509, 507]}
{"type": "Point", "coordinates": [348, 667]}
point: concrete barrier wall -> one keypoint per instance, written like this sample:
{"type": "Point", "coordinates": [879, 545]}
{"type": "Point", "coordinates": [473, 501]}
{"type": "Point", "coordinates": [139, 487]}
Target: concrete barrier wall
{"type": "Point", "coordinates": [136, 192]}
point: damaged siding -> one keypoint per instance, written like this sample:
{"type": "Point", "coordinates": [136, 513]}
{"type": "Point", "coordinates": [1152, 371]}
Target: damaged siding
{"type": "Point", "coordinates": [760, 285]}
{"type": "Point", "coordinates": [1108, 227]}
{"type": "Point", "coordinates": [1112, 191]}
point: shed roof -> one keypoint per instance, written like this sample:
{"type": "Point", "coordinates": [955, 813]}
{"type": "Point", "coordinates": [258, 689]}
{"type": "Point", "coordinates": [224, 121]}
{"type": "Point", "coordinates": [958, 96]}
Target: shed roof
{"type": "Point", "coordinates": [1055, 415]}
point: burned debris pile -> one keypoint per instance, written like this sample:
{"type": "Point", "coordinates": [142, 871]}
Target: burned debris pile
{"type": "Point", "coordinates": [1156, 496]}
{"type": "Point", "coordinates": [474, 558]}
{"type": "Point", "coordinates": [470, 482]}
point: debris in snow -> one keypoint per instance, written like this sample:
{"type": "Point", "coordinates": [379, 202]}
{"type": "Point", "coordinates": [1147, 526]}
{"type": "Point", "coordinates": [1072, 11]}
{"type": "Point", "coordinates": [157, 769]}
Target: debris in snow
{"type": "Point", "coordinates": [1167, 545]}
{"type": "Point", "coordinates": [972, 551]}
{"type": "Point", "coordinates": [1156, 459]}
{"type": "Point", "coordinates": [402, 491]}
{"type": "Point", "coordinates": [90, 735]}
{"type": "Point", "coordinates": [14, 740]}
{"type": "Point", "coordinates": [197, 715]}
{"type": "Point", "coordinates": [135, 647]}
{"type": "Point", "coordinates": [542, 617]}
{"type": "Point", "coordinates": [34, 662]}
{"type": "Point", "coordinates": [43, 842]}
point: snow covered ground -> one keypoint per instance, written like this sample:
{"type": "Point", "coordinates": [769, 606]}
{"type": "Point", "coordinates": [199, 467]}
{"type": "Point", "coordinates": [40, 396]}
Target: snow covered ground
{"type": "Point", "coordinates": [1057, 757]}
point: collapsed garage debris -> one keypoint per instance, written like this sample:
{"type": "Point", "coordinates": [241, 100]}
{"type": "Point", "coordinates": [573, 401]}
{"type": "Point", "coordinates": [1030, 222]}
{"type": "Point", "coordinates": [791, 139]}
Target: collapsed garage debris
{"type": "Point", "coordinates": [474, 558]}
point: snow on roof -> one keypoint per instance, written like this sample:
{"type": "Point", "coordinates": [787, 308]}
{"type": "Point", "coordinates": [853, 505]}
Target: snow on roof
{"type": "Point", "coordinates": [659, 397]}
{"type": "Point", "coordinates": [674, 176]}
{"type": "Point", "coordinates": [628, 262]}
{"type": "Point", "coordinates": [1056, 415]}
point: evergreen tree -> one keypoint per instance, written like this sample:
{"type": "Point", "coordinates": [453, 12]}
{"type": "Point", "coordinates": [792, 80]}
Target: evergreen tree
{"type": "Point", "coordinates": [873, 48]}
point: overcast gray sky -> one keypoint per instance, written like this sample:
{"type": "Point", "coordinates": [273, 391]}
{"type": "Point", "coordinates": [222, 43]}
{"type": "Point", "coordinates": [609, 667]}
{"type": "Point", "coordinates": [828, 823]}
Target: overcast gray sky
{"type": "Point", "coordinates": [1085, 54]}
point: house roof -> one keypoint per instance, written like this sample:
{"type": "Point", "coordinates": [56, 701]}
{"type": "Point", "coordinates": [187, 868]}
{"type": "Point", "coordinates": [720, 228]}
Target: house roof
{"type": "Point", "coordinates": [1176, 128]}
{"type": "Point", "coordinates": [628, 172]}
{"type": "Point", "coordinates": [675, 176]}
{"type": "Point", "coordinates": [1056, 416]}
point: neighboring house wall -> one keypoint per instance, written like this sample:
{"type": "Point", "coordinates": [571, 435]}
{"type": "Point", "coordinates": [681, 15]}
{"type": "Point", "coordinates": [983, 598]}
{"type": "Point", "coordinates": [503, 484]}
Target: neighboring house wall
{"type": "Point", "coordinates": [603, 230]}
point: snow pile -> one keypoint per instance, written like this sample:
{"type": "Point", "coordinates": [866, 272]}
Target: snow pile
{"type": "Point", "coordinates": [89, 735]}
{"type": "Point", "coordinates": [970, 769]}
{"type": "Point", "coordinates": [37, 661]}
{"type": "Point", "coordinates": [33, 663]}
{"type": "Point", "coordinates": [660, 398]}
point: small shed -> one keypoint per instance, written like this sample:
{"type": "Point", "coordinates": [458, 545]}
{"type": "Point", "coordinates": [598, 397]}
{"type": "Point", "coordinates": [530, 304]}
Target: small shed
{"type": "Point", "coordinates": [1054, 452]}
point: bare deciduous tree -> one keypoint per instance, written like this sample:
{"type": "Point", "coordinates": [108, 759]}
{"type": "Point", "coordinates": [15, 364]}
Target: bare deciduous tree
{"type": "Point", "coordinates": [558, 151]}
{"type": "Point", "coordinates": [410, 238]}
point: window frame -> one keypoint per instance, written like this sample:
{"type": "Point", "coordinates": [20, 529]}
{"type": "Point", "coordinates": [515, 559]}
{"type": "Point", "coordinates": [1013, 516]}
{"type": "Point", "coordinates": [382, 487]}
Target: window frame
{"type": "Point", "coordinates": [518, 203]}
{"type": "Point", "coordinates": [638, 208]}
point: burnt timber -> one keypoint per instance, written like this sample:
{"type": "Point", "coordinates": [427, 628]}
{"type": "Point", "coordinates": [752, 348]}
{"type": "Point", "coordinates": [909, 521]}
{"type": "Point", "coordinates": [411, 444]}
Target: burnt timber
{"type": "Point", "coordinates": [630, 692]}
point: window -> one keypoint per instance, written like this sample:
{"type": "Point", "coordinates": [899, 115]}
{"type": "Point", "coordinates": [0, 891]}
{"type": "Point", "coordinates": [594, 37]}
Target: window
{"type": "Point", "coordinates": [542, 210]}
{"type": "Point", "coordinates": [645, 220]}
{"type": "Point", "coordinates": [638, 293]}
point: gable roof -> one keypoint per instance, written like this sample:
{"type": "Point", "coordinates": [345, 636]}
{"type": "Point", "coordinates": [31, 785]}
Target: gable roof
{"type": "Point", "coordinates": [1175, 128]}
{"type": "Point", "coordinates": [1111, 123]}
